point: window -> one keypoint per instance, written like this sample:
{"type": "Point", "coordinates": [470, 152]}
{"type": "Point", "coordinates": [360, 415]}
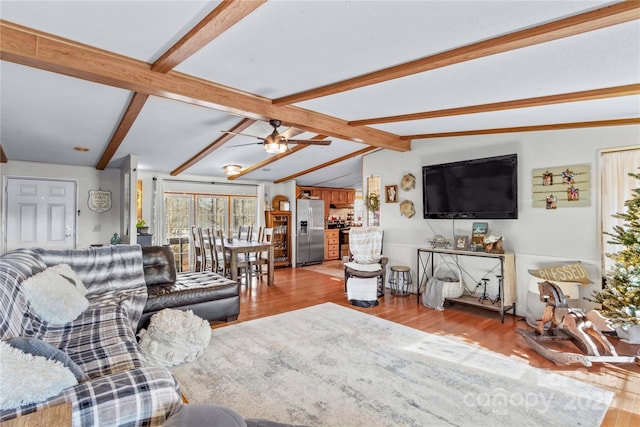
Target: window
{"type": "Point", "coordinates": [373, 187]}
{"type": "Point", "coordinates": [178, 226]}
{"type": "Point", "coordinates": [212, 211]}
{"type": "Point", "coordinates": [616, 186]}
{"type": "Point", "coordinates": [182, 211]}
{"type": "Point", "coordinates": [243, 212]}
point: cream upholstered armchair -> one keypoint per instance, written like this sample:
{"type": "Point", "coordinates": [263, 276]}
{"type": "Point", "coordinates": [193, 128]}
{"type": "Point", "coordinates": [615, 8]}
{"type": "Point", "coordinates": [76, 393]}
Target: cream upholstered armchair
{"type": "Point", "coordinates": [365, 244]}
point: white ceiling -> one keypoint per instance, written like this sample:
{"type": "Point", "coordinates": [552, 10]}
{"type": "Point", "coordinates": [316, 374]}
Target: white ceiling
{"type": "Point", "coordinates": [285, 47]}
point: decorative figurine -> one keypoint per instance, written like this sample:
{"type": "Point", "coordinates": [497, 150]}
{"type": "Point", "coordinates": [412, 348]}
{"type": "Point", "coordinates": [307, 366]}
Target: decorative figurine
{"type": "Point", "coordinates": [115, 240]}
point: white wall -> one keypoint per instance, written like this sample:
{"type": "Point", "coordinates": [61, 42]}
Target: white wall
{"type": "Point", "coordinates": [88, 179]}
{"type": "Point", "coordinates": [538, 236]}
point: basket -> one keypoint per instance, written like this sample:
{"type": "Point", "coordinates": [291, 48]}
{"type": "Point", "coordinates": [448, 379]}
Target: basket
{"type": "Point", "coordinates": [453, 285]}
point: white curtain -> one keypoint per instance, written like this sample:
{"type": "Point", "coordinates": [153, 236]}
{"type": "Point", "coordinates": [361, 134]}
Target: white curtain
{"type": "Point", "coordinates": [260, 207]}
{"type": "Point", "coordinates": [157, 217]}
{"type": "Point", "coordinates": [616, 186]}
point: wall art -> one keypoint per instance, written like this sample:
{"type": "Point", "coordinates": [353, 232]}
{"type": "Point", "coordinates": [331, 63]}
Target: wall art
{"type": "Point", "coordinates": [99, 200]}
{"type": "Point", "coordinates": [561, 187]}
{"type": "Point", "coordinates": [408, 182]}
{"type": "Point", "coordinates": [391, 194]}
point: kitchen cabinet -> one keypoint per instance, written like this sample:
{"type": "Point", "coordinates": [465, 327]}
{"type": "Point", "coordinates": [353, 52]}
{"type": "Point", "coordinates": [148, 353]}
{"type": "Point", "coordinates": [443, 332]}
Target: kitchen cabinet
{"type": "Point", "coordinates": [351, 197]}
{"type": "Point", "coordinates": [326, 196]}
{"type": "Point", "coordinates": [331, 244]}
{"type": "Point", "coordinates": [330, 196]}
{"type": "Point", "coordinates": [338, 197]}
{"type": "Point", "coordinates": [280, 221]}
{"type": "Point", "coordinates": [316, 192]}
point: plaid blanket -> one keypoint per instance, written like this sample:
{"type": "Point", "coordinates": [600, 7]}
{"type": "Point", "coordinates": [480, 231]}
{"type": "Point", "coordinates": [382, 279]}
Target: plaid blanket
{"type": "Point", "coordinates": [121, 390]}
{"type": "Point", "coordinates": [113, 275]}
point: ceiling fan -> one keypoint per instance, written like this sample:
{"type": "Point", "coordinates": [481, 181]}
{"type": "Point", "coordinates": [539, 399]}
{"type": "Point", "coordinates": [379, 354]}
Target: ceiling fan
{"type": "Point", "coordinates": [276, 143]}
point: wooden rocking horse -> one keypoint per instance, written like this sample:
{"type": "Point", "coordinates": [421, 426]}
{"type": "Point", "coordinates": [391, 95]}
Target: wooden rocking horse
{"type": "Point", "coordinates": [584, 330]}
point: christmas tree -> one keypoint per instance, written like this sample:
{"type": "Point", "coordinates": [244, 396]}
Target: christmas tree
{"type": "Point", "coordinates": [620, 298]}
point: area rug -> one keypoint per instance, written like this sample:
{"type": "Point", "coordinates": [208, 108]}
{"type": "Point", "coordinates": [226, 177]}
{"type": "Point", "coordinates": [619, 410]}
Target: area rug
{"type": "Point", "coordinates": [330, 268]}
{"type": "Point", "coordinates": [330, 365]}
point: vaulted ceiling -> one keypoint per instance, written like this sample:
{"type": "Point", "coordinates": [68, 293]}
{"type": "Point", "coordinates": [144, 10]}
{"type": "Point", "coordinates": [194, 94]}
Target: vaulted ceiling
{"type": "Point", "coordinates": [165, 79]}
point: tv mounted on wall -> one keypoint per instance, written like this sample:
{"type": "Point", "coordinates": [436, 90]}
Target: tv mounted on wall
{"type": "Point", "coordinates": [475, 189]}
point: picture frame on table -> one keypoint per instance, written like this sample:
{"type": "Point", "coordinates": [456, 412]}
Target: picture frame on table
{"type": "Point", "coordinates": [391, 194]}
{"type": "Point", "coordinates": [478, 231]}
{"type": "Point", "coordinates": [461, 243]}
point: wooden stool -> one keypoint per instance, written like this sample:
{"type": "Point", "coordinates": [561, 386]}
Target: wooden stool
{"type": "Point", "coordinates": [400, 280]}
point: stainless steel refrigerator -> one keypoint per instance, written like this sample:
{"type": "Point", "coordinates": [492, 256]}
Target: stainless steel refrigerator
{"type": "Point", "coordinates": [310, 230]}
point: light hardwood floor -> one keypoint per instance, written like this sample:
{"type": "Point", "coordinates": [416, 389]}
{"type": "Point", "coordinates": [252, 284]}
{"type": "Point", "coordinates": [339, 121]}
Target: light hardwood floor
{"type": "Point", "coordinates": [296, 288]}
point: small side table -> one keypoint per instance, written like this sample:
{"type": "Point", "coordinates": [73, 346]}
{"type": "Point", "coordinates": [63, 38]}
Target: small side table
{"type": "Point", "coordinates": [400, 280]}
{"type": "Point", "coordinates": [145, 239]}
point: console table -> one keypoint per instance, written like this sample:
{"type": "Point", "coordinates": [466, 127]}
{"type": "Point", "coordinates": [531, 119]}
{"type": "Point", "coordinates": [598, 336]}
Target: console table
{"type": "Point", "coordinates": [504, 263]}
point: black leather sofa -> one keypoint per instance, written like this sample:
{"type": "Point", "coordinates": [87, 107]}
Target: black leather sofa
{"type": "Point", "coordinates": [209, 295]}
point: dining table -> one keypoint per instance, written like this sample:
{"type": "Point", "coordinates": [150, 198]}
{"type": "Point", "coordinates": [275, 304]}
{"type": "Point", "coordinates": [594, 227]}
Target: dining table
{"type": "Point", "coordinates": [238, 246]}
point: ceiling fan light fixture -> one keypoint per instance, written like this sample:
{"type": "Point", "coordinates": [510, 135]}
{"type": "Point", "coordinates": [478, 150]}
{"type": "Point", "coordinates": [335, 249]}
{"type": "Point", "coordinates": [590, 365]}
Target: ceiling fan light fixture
{"type": "Point", "coordinates": [231, 170]}
{"type": "Point", "coordinates": [275, 148]}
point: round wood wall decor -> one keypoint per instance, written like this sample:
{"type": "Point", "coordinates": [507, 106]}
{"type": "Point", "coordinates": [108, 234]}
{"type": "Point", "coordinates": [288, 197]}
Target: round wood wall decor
{"type": "Point", "coordinates": [408, 182]}
{"type": "Point", "coordinates": [407, 209]}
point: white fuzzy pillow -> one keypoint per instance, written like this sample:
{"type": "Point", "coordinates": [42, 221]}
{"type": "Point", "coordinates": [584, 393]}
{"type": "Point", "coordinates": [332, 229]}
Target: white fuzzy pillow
{"type": "Point", "coordinates": [67, 272]}
{"type": "Point", "coordinates": [53, 297]}
{"type": "Point", "coordinates": [25, 378]}
{"type": "Point", "coordinates": [173, 337]}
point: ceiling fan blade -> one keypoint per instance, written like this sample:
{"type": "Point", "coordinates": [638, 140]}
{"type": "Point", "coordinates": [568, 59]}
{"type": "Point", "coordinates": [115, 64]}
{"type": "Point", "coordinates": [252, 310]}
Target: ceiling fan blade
{"type": "Point", "coordinates": [242, 134]}
{"type": "Point", "coordinates": [243, 145]}
{"type": "Point", "coordinates": [309, 141]}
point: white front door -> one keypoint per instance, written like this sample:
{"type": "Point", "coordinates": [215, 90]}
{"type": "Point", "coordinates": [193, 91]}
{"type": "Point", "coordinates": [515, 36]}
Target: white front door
{"type": "Point", "coordinates": [40, 213]}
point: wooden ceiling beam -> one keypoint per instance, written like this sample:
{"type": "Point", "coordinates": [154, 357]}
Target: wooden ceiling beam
{"type": "Point", "coordinates": [324, 165]}
{"type": "Point", "coordinates": [3, 156]}
{"type": "Point", "coordinates": [600, 18]}
{"type": "Point", "coordinates": [33, 48]}
{"type": "Point", "coordinates": [535, 128]}
{"type": "Point", "coordinates": [223, 17]}
{"type": "Point", "coordinates": [239, 127]}
{"type": "Point", "coordinates": [215, 23]}
{"type": "Point", "coordinates": [587, 95]}
{"type": "Point", "coordinates": [131, 113]}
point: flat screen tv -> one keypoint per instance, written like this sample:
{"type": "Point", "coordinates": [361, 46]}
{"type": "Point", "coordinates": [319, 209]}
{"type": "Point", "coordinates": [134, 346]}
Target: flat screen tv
{"type": "Point", "coordinates": [475, 189]}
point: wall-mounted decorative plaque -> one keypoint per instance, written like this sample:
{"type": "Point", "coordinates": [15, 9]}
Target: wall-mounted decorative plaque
{"type": "Point", "coordinates": [99, 200]}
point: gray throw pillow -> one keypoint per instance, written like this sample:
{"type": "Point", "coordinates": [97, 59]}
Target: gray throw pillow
{"type": "Point", "coordinates": [194, 414]}
{"type": "Point", "coordinates": [38, 347]}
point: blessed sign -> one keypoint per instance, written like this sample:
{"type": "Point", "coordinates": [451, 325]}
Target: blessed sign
{"type": "Point", "coordinates": [563, 273]}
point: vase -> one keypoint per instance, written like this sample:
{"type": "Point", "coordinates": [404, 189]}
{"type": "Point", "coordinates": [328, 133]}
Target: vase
{"type": "Point", "coordinates": [629, 333]}
{"type": "Point", "coordinates": [116, 240]}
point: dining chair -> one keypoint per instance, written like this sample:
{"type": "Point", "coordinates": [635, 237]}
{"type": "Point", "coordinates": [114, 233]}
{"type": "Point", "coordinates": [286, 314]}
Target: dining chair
{"type": "Point", "coordinates": [198, 251]}
{"type": "Point", "coordinates": [244, 232]}
{"type": "Point", "coordinates": [243, 262]}
{"type": "Point", "coordinates": [216, 258]}
{"type": "Point", "coordinates": [205, 247]}
{"type": "Point", "coordinates": [262, 258]}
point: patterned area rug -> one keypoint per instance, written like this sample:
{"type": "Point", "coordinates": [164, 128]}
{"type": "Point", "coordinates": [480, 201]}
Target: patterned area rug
{"type": "Point", "coordinates": [329, 365]}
